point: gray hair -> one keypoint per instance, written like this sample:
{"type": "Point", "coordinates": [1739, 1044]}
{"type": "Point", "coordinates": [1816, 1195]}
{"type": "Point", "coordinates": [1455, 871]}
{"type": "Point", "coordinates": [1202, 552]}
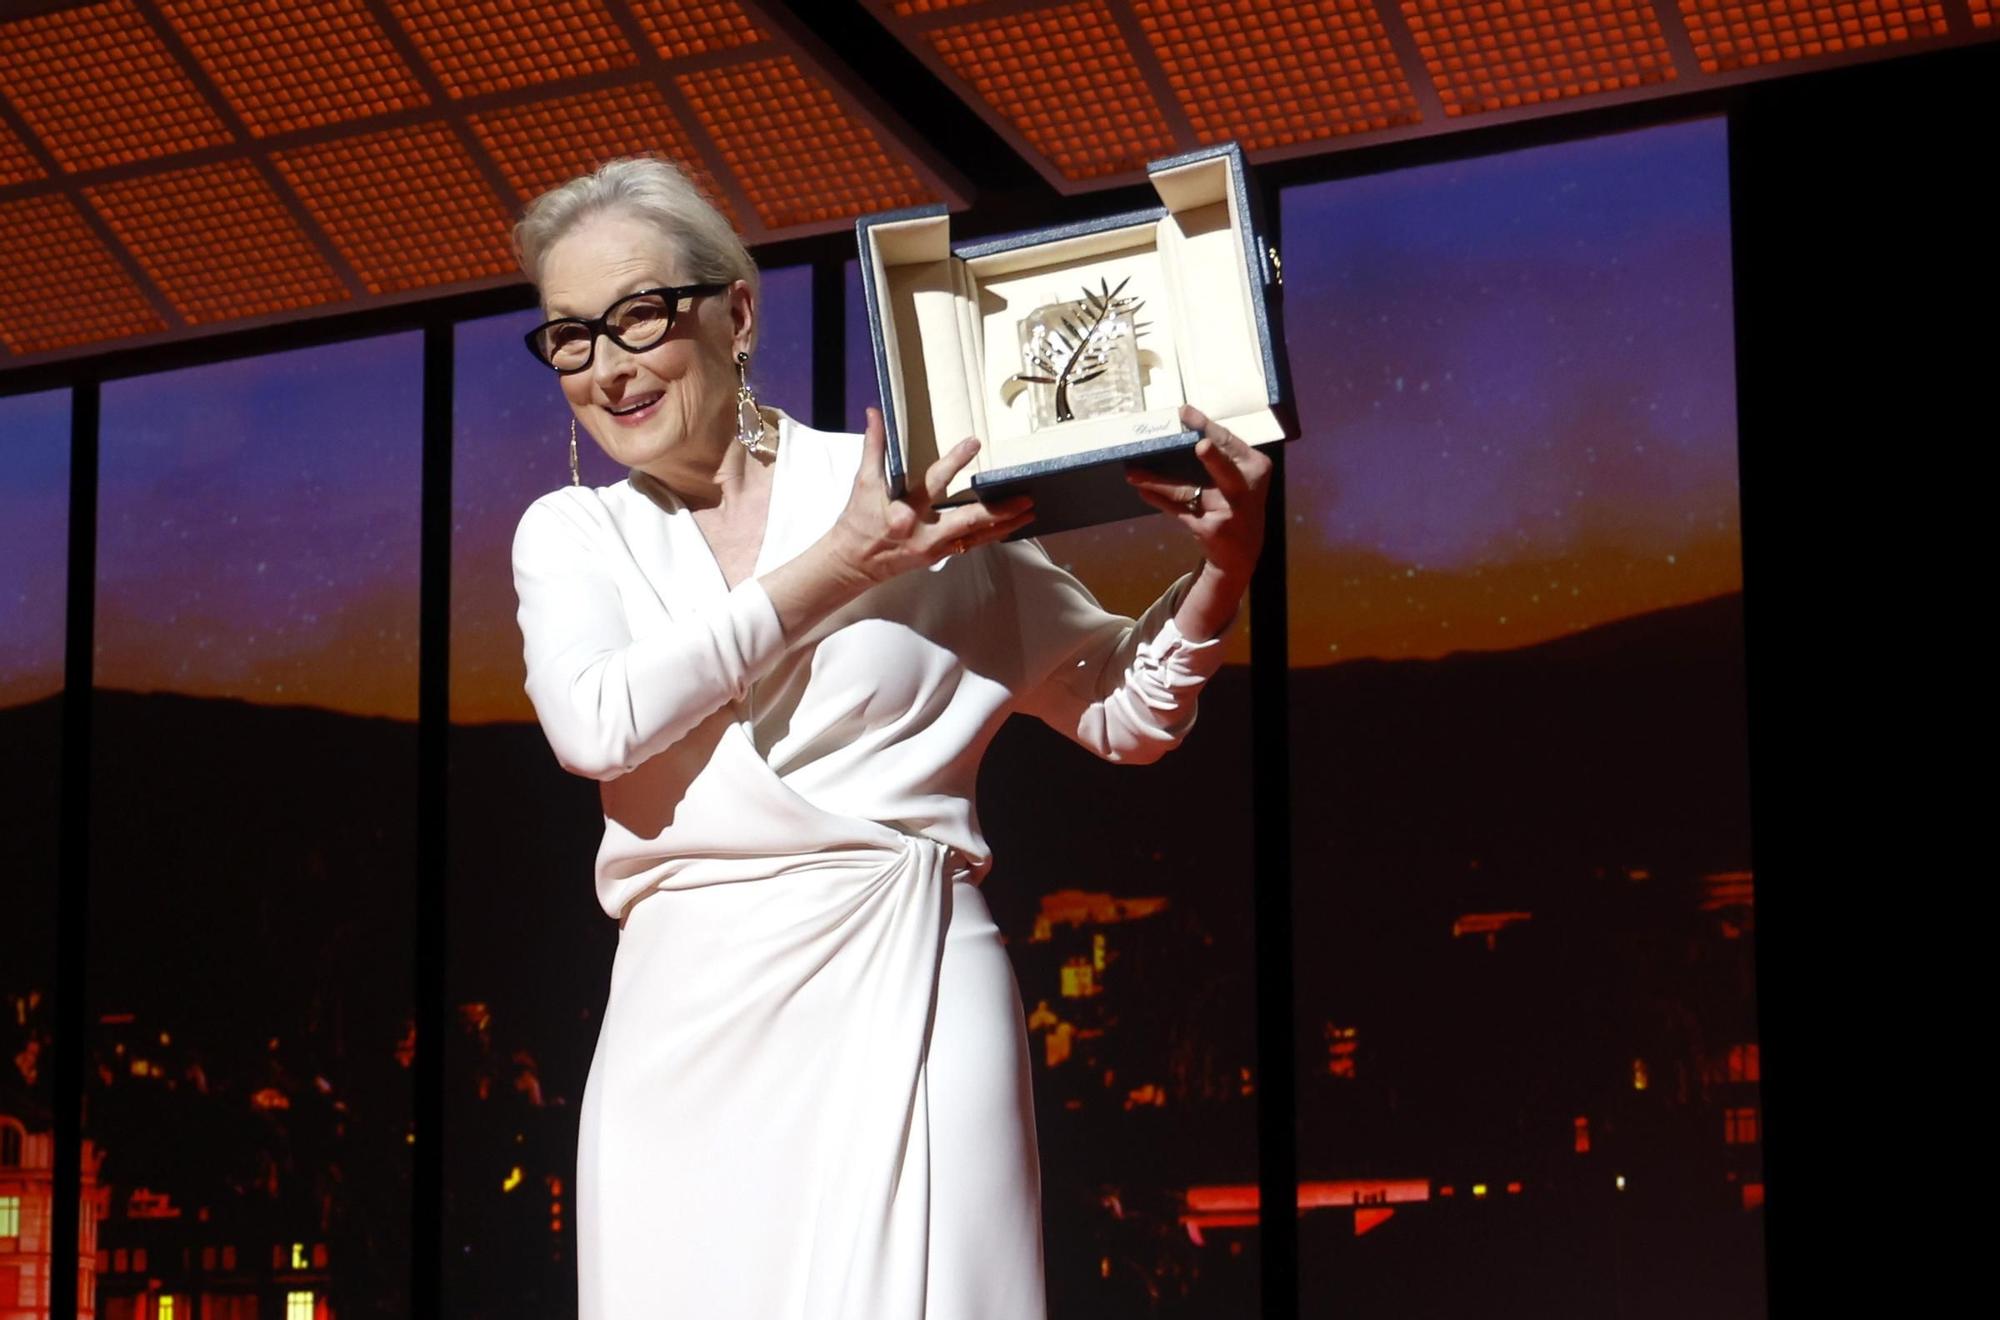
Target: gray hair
{"type": "Point", "coordinates": [652, 190]}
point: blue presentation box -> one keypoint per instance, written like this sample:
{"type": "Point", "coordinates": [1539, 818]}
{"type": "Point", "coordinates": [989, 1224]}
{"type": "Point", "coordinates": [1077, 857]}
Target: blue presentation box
{"type": "Point", "coordinates": [947, 328]}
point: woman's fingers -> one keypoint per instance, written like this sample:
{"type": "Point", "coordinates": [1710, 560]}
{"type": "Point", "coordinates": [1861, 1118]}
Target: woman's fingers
{"type": "Point", "coordinates": [874, 450]}
{"type": "Point", "coordinates": [1222, 455]}
{"type": "Point", "coordinates": [1169, 504]}
{"type": "Point", "coordinates": [1162, 492]}
{"type": "Point", "coordinates": [938, 477]}
{"type": "Point", "coordinates": [976, 524]}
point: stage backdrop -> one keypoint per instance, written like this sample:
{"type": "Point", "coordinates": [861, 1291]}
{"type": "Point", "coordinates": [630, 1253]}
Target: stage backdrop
{"type": "Point", "coordinates": [1526, 1049]}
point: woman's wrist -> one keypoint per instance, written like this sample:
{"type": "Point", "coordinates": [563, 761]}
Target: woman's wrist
{"type": "Point", "coordinates": [1211, 603]}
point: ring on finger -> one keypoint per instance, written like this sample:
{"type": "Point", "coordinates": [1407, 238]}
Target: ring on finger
{"type": "Point", "coordinates": [958, 546]}
{"type": "Point", "coordinates": [1193, 502]}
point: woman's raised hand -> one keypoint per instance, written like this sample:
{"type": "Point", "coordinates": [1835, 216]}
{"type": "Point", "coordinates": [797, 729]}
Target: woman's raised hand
{"type": "Point", "coordinates": [878, 536]}
{"type": "Point", "coordinates": [1226, 513]}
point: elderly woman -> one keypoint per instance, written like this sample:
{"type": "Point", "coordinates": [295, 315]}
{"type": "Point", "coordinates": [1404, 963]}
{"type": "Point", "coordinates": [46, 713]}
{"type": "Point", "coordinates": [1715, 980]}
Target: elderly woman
{"type": "Point", "coordinates": [810, 1094]}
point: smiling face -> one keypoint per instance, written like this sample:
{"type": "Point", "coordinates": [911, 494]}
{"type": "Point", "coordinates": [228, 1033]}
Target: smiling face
{"type": "Point", "coordinates": [671, 409]}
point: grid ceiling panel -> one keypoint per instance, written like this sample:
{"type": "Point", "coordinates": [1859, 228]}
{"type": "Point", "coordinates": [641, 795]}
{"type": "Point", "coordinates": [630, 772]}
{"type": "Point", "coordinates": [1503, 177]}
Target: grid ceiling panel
{"type": "Point", "coordinates": [798, 154]}
{"type": "Point", "coordinates": [545, 143]}
{"type": "Point", "coordinates": [1066, 81]}
{"type": "Point", "coordinates": [58, 285]}
{"type": "Point", "coordinates": [1738, 34]}
{"type": "Point", "coordinates": [98, 87]}
{"type": "Point", "coordinates": [1503, 54]}
{"type": "Point", "coordinates": [1273, 75]}
{"type": "Point", "coordinates": [217, 241]}
{"type": "Point", "coordinates": [293, 64]}
{"type": "Point", "coordinates": [477, 46]}
{"type": "Point", "coordinates": [17, 163]}
{"type": "Point", "coordinates": [408, 208]}
{"type": "Point", "coordinates": [1982, 12]}
{"type": "Point", "coordinates": [679, 28]}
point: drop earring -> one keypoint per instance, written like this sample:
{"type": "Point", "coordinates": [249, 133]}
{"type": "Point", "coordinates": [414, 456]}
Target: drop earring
{"type": "Point", "coordinates": [575, 477]}
{"type": "Point", "coordinates": [749, 420]}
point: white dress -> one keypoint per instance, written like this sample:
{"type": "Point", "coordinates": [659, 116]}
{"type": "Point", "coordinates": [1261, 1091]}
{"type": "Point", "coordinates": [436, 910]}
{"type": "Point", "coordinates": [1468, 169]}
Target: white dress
{"type": "Point", "coordinates": [810, 1097]}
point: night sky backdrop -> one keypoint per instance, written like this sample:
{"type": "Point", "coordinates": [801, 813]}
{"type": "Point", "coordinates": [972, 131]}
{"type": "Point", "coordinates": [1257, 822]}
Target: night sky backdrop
{"type": "Point", "coordinates": [1515, 375]}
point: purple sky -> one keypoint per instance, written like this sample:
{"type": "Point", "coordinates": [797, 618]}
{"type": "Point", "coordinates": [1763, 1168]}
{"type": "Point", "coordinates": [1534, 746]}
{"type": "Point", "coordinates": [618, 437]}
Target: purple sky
{"type": "Point", "coordinates": [257, 528]}
{"type": "Point", "coordinates": [34, 546]}
{"type": "Point", "coordinates": [1516, 379]}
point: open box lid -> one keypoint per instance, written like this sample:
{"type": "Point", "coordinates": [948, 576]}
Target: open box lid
{"type": "Point", "coordinates": [945, 324]}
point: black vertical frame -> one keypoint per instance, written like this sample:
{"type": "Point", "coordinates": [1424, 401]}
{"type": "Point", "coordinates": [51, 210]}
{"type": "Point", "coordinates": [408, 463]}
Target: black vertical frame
{"type": "Point", "coordinates": [1271, 817]}
{"type": "Point", "coordinates": [1865, 274]}
{"type": "Point", "coordinates": [69, 1051]}
{"type": "Point", "coordinates": [829, 344]}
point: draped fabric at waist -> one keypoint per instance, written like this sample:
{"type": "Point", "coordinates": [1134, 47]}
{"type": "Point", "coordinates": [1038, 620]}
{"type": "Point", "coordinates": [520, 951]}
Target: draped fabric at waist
{"type": "Point", "coordinates": [710, 811]}
{"type": "Point", "coordinates": [767, 1027]}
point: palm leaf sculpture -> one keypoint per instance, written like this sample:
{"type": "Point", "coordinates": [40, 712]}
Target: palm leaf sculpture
{"type": "Point", "coordinates": [1077, 348]}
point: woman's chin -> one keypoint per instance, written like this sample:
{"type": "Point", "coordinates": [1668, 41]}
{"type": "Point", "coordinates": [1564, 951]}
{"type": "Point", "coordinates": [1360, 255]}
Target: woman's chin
{"type": "Point", "coordinates": [645, 447]}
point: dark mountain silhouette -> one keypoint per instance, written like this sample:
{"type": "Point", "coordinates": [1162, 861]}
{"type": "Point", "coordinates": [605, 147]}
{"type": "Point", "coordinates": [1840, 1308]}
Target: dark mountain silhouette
{"type": "Point", "coordinates": [253, 875]}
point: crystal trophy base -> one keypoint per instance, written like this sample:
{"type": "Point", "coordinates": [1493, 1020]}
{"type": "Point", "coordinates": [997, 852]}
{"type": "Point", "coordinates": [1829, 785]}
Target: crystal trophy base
{"type": "Point", "coordinates": [1080, 359]}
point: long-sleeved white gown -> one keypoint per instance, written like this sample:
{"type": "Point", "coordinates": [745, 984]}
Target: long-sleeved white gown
{"type": "Point", "coordinates": [810, 1097]}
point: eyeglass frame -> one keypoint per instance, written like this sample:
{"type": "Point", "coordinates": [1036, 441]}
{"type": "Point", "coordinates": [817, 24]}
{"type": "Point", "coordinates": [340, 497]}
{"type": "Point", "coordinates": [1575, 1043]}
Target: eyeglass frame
{"type": "Point", "coordinates": [601, 325]}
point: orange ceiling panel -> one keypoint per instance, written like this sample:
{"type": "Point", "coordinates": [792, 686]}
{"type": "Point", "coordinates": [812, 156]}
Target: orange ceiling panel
{"type": "Point", "coordinates": [1738, 34]}
{"type": "Point", "coordinates": [909, 8]}
{"type": "Point", "coordinates": [1982, 12]}
{"type": "Point", "coordinates": [217, 242]}
{"type": "Point", "coordinates": [1503, 54]}
{"type": "Point", "coordinates": [1066, 81]}
{"type": "Point", "coordinates": [479, 46]}
{"type": "Point", "coordinates": [98, 87]}
{"type": "Point", "coordinates": [17, 163]}
{"type": "Point", "coordinates": [292, 64]}
{"type": "Point", "coordinates": [1275, 75]}
{"type": "Point", "coordinates": [545, 143]}
{"type": "Point", "coordinates": [406, 207]}
{"type": "Point", "coordinates": [798, 154]}
{"type": "Point", "coordinates": [58, 285]}
{"type": "Point", "coordinates": [678, 28]}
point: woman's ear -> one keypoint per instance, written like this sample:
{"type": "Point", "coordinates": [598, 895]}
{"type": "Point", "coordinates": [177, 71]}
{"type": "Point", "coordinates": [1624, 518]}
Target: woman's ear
{"type": "Point", "coordinates": [743, 315]}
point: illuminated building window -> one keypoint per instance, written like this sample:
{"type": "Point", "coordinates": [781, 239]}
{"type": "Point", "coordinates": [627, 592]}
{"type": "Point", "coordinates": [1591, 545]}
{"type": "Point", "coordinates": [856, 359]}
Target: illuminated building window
{"type": "Point", "coordinates": [229, 1258]}
{"type": "Point", "coordinates": [1743, 1063]}
{"type": "Point", "coordinates": [10, 1216]}
{"type": "Point", "coordinates": [208, 1258]}
{"type": "Point", "coordinates": [138, 1258]}
{"type": "Point", "coordinates": [118, 1261]}
{"type": "Point", "coordinates": [1739, 1126]}
{"type": "Point", "coordinates": [1582, 1134]}
{"type": "Point", "coordinates": [1079, 980]}
{"type": "Point", "coordinates": [299, 1305]}
{"type": "Point", "coordinates": [1639, 1074]}
{"type": "Point", "coordinates": [1340, 1046]}
{"type": "Point", "coordinates": [299, 1256]}
{"type": "Point", "coordinates": [165, 1309]}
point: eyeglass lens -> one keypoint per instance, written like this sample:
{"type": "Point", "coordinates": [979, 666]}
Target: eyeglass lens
{"type": "Point", "coordinates": [636, 323]}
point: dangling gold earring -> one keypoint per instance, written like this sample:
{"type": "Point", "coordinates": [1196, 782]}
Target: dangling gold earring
{"type": "Point", "coordinates": [749, 421]}
{"type": "Point", "coordinates": [575, 477]}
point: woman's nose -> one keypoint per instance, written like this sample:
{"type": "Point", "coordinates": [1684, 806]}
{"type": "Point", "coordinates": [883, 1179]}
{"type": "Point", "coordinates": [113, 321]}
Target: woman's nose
{"type": "Point", "coordinates": [609, 363]}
